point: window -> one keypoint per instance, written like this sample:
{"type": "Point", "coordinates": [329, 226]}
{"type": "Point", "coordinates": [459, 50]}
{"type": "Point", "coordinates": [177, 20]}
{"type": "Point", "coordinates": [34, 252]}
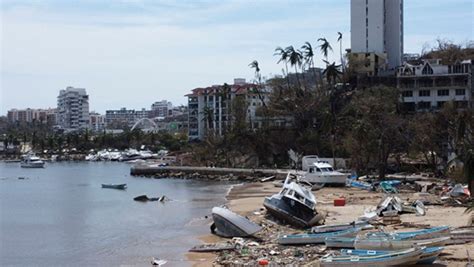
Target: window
{"type": "Point", "coordinates": [440, 104]}
{"type": "Point", "coordinates": [460, 91]}
{"type": "Point", "coordinates": [443, 92]}
{"type": "Point", "coordinates": [407, 93]}
{"type": "Point", "coordinates": [424, 93]}
{"type": "Point", "coordinates": [427, 70]}
{"type": "Point", "coordinates": [424, 105]}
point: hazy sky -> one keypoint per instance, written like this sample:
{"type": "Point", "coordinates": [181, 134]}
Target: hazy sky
{"type": "Point", "coordinates": [131, 53]}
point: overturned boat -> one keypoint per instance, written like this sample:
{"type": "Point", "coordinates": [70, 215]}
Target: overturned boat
{"type": "Point", "coordinates": [230, 224]}
{"type": "Point", "coordinates": [294, 204]}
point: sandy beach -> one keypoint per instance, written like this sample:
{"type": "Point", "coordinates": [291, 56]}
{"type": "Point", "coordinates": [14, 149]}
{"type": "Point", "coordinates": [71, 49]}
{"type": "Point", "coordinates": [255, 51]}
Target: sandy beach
{"type": "Point", "coordinates": [247, 199]}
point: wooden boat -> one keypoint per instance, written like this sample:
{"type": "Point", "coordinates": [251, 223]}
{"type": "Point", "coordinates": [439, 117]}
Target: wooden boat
{"type": "Point", "coordinates": [420, 234]}
{"type": "Point", "coordinates": [339, 227]}
{"type": "Point", "coordinates": [339, 242]}
{"type": "Point", "coordinates": [394, 258]}
{"type": "Point", "coordinates": [301, 239]}
{"type": "Point", "coordinates": [384, 243]}
{"type": "Point", "coordinates": [230, 224]}
{"type": "Point", "coordinates": [428, 256]}
{"type": "Point", "coordinates": [115, 186]}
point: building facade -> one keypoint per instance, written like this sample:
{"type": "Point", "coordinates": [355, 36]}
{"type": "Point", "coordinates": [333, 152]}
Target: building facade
{"type": "Point", "coordinates": [47, 116]}
{"type": "Point", "coordinates": [73, 109]}
{"type": "Point", "coordinates": [96, 122]}
{"type": "Point", "coordinates": [123, 117]}
{"type": "Point", "coordinates": [209, 108]}
{"type": "Point", "coordinates": [377, 28]}
{"type": "Point", "coordinates": [161, 109]}
{"type": "Point", "coordinates": [428, 85]}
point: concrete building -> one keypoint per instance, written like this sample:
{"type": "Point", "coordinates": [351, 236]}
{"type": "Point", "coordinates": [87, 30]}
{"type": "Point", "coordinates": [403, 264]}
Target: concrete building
{"type": "Point", "coordinates": [122, 118]}
{"type": "Point", "coordinates": [209, 108]}
{"type": "Point", "coordinates": [47, 116]}
{"type": "Point", "coordinates": [161, 109]}
{"type": "Point", "coordinates": [377, 31]}
{"type": "Point", "coordinates": [73, 109]}
{"type": "Point", "coordinates": [428, 85]}
{"type": "Point", "coordinates": [96, 122]}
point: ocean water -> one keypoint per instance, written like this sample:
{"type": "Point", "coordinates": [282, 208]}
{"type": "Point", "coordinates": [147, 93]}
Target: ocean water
{"type": "Point", "coordinates": [60, 216]}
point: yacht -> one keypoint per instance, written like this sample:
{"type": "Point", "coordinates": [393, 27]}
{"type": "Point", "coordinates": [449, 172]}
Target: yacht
{"type": "Point", "coordinates": [31, 161]}
{"type": "Point", "coordinates": [317, 171]}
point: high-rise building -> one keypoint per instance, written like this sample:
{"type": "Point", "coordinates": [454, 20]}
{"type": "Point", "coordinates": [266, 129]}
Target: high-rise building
{"type": "Point", "coordinates": [377, 28]}
{"type": "Point", "coordinates": [161, 108]}
{"type": "Point", "coordinates": [47, 116]}
{"type": "Point", "coordinates": [73, 109]}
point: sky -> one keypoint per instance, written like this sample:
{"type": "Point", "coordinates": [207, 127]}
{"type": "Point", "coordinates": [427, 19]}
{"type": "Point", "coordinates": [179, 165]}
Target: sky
{"type": "Point", "coordinates": [131, 53]}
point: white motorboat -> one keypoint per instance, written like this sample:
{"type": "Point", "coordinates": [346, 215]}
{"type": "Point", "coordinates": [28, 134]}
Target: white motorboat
{"type": "Point", "coordinates": [31, 161]}
{"type": "Point", "coordinates": [321, 172]}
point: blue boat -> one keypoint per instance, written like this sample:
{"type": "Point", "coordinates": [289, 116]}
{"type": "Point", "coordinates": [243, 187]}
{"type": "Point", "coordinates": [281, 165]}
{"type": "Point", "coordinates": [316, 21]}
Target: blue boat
{"type": "Point", "coordinates": [420, 234]}
{"type": "Point", "coordinates": [428, 256]}
{"type": "Point", "coordinates": [359, 184]}
{"type": "Point", "coordinates": [302, 239]}
{"type": "Point", "coordinates": [339, 242]}
{"type": "Point", "coordinates": [394, 258]}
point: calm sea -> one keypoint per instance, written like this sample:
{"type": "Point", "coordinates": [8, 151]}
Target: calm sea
{"type": "Point", "coordinates": [60, 216]}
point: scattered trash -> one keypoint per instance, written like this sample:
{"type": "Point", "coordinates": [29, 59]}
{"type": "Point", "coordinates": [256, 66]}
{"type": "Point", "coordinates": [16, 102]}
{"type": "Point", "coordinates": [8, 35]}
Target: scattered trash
{"type": "Point", "coordinates": [267, 179]}
{"type": "Point", "coordinates": [158, 262]}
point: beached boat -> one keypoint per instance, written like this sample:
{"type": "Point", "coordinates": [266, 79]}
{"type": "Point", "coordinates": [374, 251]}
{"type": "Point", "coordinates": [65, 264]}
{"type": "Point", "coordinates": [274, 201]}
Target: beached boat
{"type": "Point", "coordinates": [115, 186]}
{"type": "Point", "coordinates": [31, 161]}
{"type": "Point", "coordinates": [302, 239]}
{"type": "Point", "coordinates": [397, 258]}
{"type": "Point", "coordinates": [229, 224]}
{"type": "Point", "coordinates": [321, 172]}
{"type": "Point", "coordinates": [294, 204]}
{"type": "Point", "coordinates": [340, 227]}
{"type": "Point", "coordinates": [339, 242]}
{"type": "Point", "coordinates": [428, 256]}
{"type": "Point", "coordinates": [386, 243]}
{"type": "Point", "coordinates": [419, 234]}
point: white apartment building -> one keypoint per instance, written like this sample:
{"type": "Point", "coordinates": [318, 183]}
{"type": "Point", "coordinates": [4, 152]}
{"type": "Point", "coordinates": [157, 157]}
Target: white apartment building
{"type": "Point", "coordinates": [96, 122]}
{"type": "Point", "coordinates": [161, 108]}
{"type": "Point", "coordinates": [217, 100]}
{"type": "Point", "coordinates": [428, 85]}
{"type": "Point", "coordinates": [73, 109]}
{"type": "Point", "coordinates": [377, 28]}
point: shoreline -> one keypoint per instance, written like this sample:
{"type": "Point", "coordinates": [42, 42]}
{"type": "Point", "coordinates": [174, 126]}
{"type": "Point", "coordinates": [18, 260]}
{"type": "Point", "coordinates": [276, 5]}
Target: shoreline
{"type": "Point", "coordinates": [246, 199]}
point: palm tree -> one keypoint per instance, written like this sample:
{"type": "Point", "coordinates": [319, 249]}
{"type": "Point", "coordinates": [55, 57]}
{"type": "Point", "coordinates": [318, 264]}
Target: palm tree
{"type": "Point", "coordinates": [296, 59]}
{"type": "Point", "coordinates": [283, 57]}
{"type": "Point", "coordinates": [258, 77]}
{"type": "Point", "coordinates": [339, 39]}
{"type": "Point", "coordinates": [331, 72]}
{"type": "Point", "coordinates": [208, 114]}
{"type": "Point", "coordinates": [325, 47]}
{"type": "Point", "coordinates": [308, 55]}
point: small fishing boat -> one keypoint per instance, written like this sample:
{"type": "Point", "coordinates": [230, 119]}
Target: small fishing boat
{"type": "Point", "coordinates": [302, 239]}
{"type": "Point", "coordinates": [428, 256]}
{"type": "Point", "coordinates": [433, 232]}
{"type": "Point", "coordinates": [339, 227]}
{"type": "Point", "coordinates": [394, 258]}
{"type": "Point", "coordinates": [339, 242]}
{"type": "Point", "coordinates": [386, 243]}
{"type": "Point", "coordinates": [115, 186]}
{"type": "Point", "coordinates": [229, 224]}
{"type": "Point", "coordinates": [294, 204]}
{"type": "Point", "coordinates": [31, 161]}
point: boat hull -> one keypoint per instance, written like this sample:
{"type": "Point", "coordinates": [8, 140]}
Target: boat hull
{"type": "Point", "coordinates": [339, 227]}
{"type": "Point", "coordinates": [339, 242]}
{"type": "Point", "coordinates": [296, 215]}
{"type": "Point", "coordinates": [402, 258]}
{"type": "Point", "coordinates": [393, 244]}
{"type": "Point", "coordinates": [330, 179]}
{"type": "Point", "coordinates": [32, 165]}
{"type": "Point", "coordinates": [302, 239]}
{"type": "Point", "coordinates": [230, 224]}
{"type": "Point", "coordinates": [115, 186]}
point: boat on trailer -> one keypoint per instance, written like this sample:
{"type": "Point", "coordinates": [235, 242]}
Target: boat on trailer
{"type": "Point", "coordinates": [394, 258]}
{"type": "Point", "coordinates": [294, 204]}
{"type": "Point", "coordinates": [428, 256]}
{"type": "Point", "coordinates": [302, 239]}
{"type": "Point", "coordinates": [230, 224]}
{"type": "Point", "coordinates": [115, 186]}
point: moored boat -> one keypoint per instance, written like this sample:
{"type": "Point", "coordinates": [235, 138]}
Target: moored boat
{"type": "Point", "coordinates": [320, 238]}
{"type": "Point", "coordinates": [294, 204]}
{"type": "Point", "coordinates": [397, 258]}
{"type": "Point", "coordinates": [229, 224]}
{"type": "Point", "coordinates": [115, 186]}
{"type": "Point", "coordinates": [385, 243]}
{"type": "Point", "coordinates": [31, 161]}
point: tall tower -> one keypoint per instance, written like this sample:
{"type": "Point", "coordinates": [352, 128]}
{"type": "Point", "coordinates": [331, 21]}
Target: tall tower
{"type": "Point", "coordinates": [377, 27]}
{"type": "Point", "coordinates": [73, 109]}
